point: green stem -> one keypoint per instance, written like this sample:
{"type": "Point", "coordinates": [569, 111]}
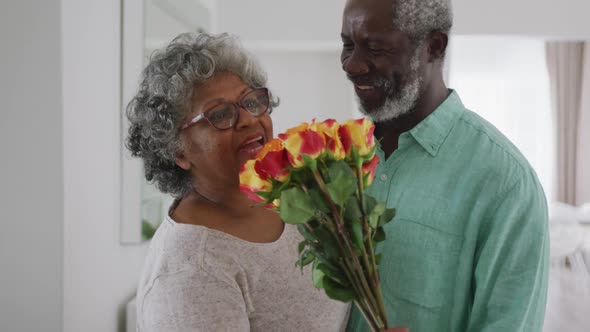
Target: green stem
{"type": "Point", "coordinates": [381, 309]}
{"type": "Point", "coordinates": [369, 316]}
{"type": "Point", "coordinates": [364, 291]}
{"type": "Point", "coordinates": [366, 230]}
{"type": "Point", "coordinates": [356, 282]}
{"type": "Point", "coordinates": [361, 302]}
{"type": "Point", "coordinates": [364, 302]}
{"type": "Point", "coordinates": [373, 269]}
{"type": "Point", "coordinates": [372, 266]}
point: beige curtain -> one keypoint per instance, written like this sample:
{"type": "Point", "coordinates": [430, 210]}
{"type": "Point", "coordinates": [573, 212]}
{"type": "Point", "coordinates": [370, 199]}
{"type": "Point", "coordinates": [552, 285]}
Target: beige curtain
{"type": "Point", "coordinates": [569, 70]}
{"type": "Point", "coordinates": [583, 158]}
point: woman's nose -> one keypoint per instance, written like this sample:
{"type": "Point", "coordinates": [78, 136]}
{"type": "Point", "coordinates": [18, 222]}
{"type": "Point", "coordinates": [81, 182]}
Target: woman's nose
{"type": "Point", "coordinates": [245, 118]}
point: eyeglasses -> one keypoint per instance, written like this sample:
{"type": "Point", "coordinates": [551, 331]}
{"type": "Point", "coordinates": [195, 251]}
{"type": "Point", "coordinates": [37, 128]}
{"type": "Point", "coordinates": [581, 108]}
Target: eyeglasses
{"type": "Point", "coordinates": [226, 115]}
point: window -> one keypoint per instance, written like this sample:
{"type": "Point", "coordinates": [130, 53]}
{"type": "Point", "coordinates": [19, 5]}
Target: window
{"type": "Point", "coordinates": [505, 80]}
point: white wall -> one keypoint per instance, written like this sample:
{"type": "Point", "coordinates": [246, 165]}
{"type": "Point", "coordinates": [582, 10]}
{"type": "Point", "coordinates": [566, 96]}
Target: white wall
{"type": "Point", "coordinates": [100, 275]}
{"type": "Point", "coordinates": [31, 190]}
{"type": "Point", "coordinates": [320, 19]}
{"type": "Point", "coordinates": [309, 85]}
{"type": "Point", "coordinates": [282, 19]}
{"type": "Point", "coordinates": [298, 45]}
{"type": "Point", "coordinates": [551, 18]}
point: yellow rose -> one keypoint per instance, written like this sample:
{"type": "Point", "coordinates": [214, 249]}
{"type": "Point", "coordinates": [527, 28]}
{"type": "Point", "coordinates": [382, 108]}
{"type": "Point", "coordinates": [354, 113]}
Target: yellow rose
{"type": "Point", "coordinates": [272, 161]}
{"type": "Point", "coordinates": [358, 134]}
{"type": "Point", "coordinates": [329, 128]}
{"type": "Point", "coordinates": [302, 140]}
{"type": "Point", "coordinates": [252, 183]}
{"type": "Point", "coordinates": [369, 169]}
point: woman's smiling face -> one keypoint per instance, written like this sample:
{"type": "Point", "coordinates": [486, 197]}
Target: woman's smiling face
{"type": "Point", "coordinates": [217, 155]}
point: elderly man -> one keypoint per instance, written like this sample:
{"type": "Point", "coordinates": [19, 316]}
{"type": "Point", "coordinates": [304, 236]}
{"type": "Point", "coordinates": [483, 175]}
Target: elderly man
{"type": "Point", "coordinates": [468, 249]}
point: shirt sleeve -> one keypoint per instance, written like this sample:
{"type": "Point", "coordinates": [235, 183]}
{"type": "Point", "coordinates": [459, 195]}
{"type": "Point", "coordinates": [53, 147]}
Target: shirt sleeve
{"type": "Point", "coordinates": [193, 301]}
{"type": "Point", "coordinates": [512, 261]}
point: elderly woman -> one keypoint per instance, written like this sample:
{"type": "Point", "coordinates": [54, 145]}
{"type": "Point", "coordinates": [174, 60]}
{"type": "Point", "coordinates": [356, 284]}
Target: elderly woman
{"type": "Point", "coordinates": [216, 263]}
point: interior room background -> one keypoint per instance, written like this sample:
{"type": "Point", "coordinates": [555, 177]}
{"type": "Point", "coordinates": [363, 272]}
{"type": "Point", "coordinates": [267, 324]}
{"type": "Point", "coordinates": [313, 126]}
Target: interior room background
{"type": "Point", "coordinates": [66, 262]}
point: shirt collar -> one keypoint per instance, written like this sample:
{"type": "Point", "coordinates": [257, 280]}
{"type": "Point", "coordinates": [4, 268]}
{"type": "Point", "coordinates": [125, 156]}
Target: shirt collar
{"type": "Point", "coordinates": [432, 131]}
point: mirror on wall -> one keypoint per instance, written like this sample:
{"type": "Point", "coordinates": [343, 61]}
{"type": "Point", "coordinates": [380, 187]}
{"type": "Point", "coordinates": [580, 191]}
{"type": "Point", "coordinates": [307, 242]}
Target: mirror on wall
{"type": "Point", "coordinates": [148, 25]}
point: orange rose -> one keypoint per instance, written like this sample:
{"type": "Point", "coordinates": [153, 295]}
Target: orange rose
{"type": "Point", "coordinates": [358, 134]}
{"type": "Point", "coordinates": [329, 128]}
{"type": "Point", "coordinates": [272, 161]}
{"type": "Point", "coordinates": [251, 183]}
{"type": "Point", "coordinates": [302, 140]}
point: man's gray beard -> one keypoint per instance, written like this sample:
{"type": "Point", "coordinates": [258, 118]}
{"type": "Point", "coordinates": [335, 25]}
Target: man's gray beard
{"type": "Point", "coordinates": [404, 103]}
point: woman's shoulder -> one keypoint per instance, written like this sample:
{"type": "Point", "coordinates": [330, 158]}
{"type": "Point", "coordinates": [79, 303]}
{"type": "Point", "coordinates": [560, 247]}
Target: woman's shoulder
{"type": "Point", "coordinates": [186, 252]}
{"type": "Point", "coordinates": [180, 278]}
{"type": "Point", "coordinates": [188, 247]}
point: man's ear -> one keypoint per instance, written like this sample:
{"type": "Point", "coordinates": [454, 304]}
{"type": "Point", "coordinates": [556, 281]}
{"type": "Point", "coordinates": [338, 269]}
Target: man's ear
{"type": "Point", "coordinates": [437, 46]}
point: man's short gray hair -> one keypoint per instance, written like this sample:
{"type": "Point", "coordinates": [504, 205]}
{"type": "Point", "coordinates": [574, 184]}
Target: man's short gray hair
{"type": "Point", "coordinates": [163, 100]}
{"type": "Point", "coordinates": [419, 18]}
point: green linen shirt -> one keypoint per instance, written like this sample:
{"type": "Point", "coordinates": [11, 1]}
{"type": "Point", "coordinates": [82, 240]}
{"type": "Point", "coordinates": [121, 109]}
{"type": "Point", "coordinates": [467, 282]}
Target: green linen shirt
{"type": "Point", "coordinates": [468, 249]}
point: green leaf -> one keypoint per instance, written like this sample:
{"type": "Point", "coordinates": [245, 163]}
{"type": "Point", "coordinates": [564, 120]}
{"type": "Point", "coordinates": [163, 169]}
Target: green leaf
{"type": "Point", "coordinates": [357, 234]}
{"type": "Point", "coordinates": [301, 247]}
{"type": "Point", "coordinates": [306, 233]}
{"type": "Point", "coordinates": [338, 292]}
{"type": "Point", "coordinates": [296, 206]}
{"type": "Point", "coordinates": [327, 242]}
{"type": "Point", "coordinates": [375, 214]}
{"type": "Point", "coordinates": [278, 188]}
{"type": "Point", "coordinates": [317, 275]}
{"type": "Point", "coordinates": [309, 162]}
{"type": "Point", "coordinates": [300, 176]}
{"type": "Point", "coordinates": [323, 168]}
{"type": "Point", "coordinates": [352, 210]}
{"type": "Point", "coordinates": [371, 154]}
{"type": "Point", "coordinates": [342, 184]}
{"type": "Point", "coordinates": [321, 256]}
{"type": "Point", "coordinates": [386, 217]}
{"type": "Point", "coordinates": [305, 258]}
{"type": "Point", "coordinates": [319, 200]}
{"type": "Point", "coordinates": [370, 203]}
{"type": "Point", "coordinates": [334, 274]}
{"type": "Point", "coordinates": [379, 235]}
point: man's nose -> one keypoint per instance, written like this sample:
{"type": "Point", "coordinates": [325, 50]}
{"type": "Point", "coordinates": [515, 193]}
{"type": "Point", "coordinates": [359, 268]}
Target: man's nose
{"type": "Point", "coordinates": [356, 64]}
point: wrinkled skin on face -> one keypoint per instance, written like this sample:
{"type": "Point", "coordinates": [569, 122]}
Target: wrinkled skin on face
{"type": "Point", "coordinates": [213, 155]}
{"type": "Point", "coordinates": [397, 77]}
{"type": "Point", "coordinates": [381, 61]}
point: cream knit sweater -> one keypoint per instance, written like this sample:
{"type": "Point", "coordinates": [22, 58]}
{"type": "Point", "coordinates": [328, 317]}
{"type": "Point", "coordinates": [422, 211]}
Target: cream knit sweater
{"type": "Point", "coordinates": [199, 279]}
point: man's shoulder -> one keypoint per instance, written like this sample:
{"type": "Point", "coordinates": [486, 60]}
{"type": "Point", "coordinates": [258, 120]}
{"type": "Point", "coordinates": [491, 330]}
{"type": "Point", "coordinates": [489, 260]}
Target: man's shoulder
{"type": "Point", "coordinates": [489, 145]}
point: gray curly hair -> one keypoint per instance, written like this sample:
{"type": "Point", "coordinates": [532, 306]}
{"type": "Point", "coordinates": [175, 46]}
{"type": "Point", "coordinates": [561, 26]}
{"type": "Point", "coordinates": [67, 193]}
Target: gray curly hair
{"type": "Point", "coordinates": [419, 18]}
{"type": "Point", "coordinates": [162, 102]}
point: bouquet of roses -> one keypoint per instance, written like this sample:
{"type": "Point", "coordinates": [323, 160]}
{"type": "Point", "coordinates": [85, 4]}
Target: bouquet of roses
{"type": "Point", "coordinates": [315, 176]}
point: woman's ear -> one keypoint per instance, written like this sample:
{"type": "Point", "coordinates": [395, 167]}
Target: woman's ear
{"type": "Point", "coordinates": [182, 161]}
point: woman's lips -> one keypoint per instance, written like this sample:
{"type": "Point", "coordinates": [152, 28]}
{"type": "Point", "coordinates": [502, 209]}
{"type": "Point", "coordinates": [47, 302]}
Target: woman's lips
{"type": "Point", "coordinates": [252, 146]}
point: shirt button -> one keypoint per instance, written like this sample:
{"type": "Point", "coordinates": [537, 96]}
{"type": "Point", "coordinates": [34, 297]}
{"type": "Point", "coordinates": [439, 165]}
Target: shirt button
{"type": "Point", "coordinates": [383, 177]}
